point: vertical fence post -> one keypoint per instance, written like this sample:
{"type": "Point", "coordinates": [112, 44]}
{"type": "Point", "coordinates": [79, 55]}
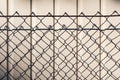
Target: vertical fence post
{"type": "Point", "coordinates": [77, 41]}
{"type": "Point", "coordinates": [53, 41]}
{"type": "Point", "coordinates": [31, 40]}
{"type": "Point", "coordinates": [100, 41]}
{"type": "Point", "coordinates": [7, 41]}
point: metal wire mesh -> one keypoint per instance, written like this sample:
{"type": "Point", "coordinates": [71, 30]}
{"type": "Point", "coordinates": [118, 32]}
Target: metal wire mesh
{"type": "Point", "coordinates": [65, 50]}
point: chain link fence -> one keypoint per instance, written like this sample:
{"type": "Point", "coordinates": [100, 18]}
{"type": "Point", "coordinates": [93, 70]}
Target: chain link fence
{"type": "Point", "coordinates": [60, 47]}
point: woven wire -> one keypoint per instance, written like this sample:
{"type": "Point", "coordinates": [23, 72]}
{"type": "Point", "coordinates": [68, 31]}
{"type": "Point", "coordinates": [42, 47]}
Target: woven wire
{"type": "Point", "coordinates": [83, 50]}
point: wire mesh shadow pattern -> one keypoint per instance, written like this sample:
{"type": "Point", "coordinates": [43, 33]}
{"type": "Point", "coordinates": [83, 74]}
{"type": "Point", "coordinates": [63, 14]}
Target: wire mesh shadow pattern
{"type": "Point", "coordinates": [60, 47]}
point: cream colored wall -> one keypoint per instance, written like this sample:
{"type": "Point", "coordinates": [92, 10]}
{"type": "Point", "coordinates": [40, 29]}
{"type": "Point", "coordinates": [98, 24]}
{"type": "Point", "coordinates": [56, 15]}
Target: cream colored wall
{"type": "Point", "coordinates": [23, 7]}
{"type": "Point", "coordinates": [89, 7]}
{"type": "Point", "coordinates": [2, 43]}
{"type": "Point", "coordinates": [108, 6]}
{"type": "Point", "coordinates": [42, 7]}
{"type": "Point", "coordinates": [63, 6]}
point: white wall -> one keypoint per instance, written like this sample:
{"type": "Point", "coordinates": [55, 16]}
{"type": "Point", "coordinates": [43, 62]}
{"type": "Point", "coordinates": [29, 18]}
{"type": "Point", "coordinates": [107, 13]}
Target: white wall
{"type": "Point", "coordinates": [3, 46]}
{"type": "Point", "coordinates": [42, 7]}
{"type": "Point", "coordinates": [108, 6]}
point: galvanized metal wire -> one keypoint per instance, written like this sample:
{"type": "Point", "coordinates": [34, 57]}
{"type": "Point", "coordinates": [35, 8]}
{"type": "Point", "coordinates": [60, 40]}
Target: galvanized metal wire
{"type": "Point", "coordinates": [62, 61]}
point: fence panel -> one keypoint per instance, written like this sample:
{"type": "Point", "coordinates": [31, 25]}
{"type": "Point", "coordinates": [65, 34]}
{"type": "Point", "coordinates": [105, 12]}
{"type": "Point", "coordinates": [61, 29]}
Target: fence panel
{"type": "Point", "coordinates": [83, 51]}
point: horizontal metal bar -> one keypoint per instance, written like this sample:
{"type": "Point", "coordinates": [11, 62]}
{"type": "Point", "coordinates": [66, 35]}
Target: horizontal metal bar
{"type": "Point", "coordinates": [59, 16]}
{"type": "Point", "coordinates": [59, 29]}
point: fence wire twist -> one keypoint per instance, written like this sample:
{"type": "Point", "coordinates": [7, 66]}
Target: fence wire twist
{"type": "Point", "coordinates": [91, 45]}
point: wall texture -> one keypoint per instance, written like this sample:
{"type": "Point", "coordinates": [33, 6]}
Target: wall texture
{"type": "Point", "coordinates": [65, 58]}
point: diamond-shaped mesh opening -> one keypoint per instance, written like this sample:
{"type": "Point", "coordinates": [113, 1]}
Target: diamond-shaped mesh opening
{"type": "Point", "coordinates": [19, 22]}
{"type": "Point", "coordinates": [110, 55]}
{"type": "Point", "coordinates": [42, 22]}
{"type": "Point", "coordinates": [88, 54]}
{"type": "Point", "coordinates": [3, 22]}
{"type": "Point", "coordinates": [42, 54]}
{"type": "Point", "coordinates": [69, 22]}
{"type": "Point", "coordinates": [19, 55]}
{"type": "Point", "coordinates": [3, 55]}
{"type": "Point", "coordinates": [65, 57]}
{"type": "Point", "coordinates": [65, 47]}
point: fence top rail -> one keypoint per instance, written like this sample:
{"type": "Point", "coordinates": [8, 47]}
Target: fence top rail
{"type": "Point", "coordinates": [98, 14]}
{"type": "Point", "coordinates": [60, 16]}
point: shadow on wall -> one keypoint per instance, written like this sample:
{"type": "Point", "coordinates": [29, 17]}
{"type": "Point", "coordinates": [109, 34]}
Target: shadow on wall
{"type": "Point", "coordinates": [2, 73]}
{"type": "Point", "coordinates": [116, 1]}
{"type": "Point", "coordinates": [15, 76]}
